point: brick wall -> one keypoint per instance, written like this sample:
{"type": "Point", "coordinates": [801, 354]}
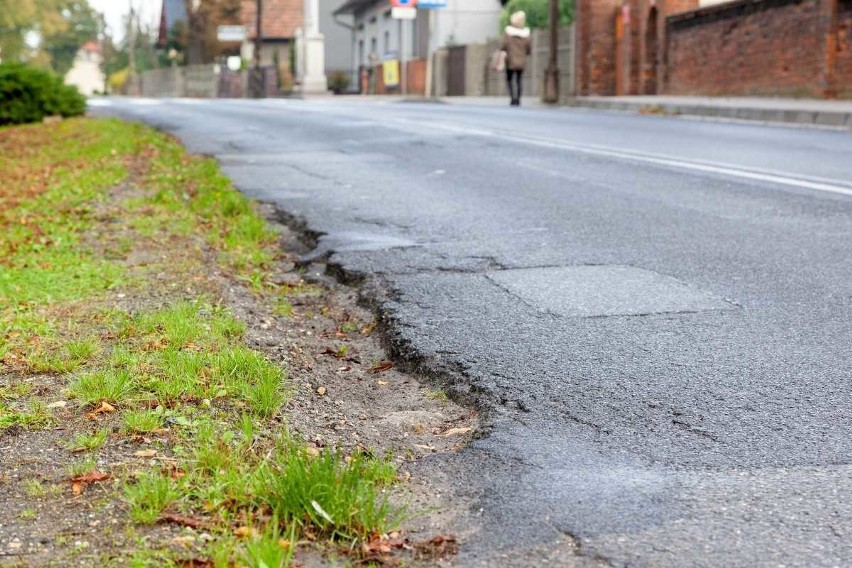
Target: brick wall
{"type": "Point", "coordinates": [844, 50]}
{"type": "Point", "coordinates": [596, 46]}
{"type": "Point", "coordinates": [750, 47]}
{"type": "Point", "coordinates": [609, 64]}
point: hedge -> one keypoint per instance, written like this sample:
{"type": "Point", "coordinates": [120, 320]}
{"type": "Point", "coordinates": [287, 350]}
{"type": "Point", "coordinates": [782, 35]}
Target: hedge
{"type": "Point", "coordinates": [28, 94]}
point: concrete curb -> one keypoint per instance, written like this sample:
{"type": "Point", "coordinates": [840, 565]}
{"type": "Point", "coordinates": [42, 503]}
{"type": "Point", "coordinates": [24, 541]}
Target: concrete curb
{"type": "Point", "coordinates": [836, 119]}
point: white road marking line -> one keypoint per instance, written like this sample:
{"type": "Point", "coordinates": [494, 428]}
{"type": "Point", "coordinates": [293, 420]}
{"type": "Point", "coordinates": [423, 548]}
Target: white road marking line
{"type": "Point", "coordinates": [98, 103]}
{"type": "Point", "coordinates": [781, 178]}
{"type": "Point", "coordinates": [146, 102]}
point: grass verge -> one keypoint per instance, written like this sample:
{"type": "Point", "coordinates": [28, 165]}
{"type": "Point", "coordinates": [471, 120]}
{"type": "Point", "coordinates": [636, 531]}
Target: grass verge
{"type": "Point", "coordinates": [109, 238]}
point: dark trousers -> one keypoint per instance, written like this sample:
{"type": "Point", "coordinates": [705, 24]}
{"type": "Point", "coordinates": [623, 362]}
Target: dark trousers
{"type": "Point", "coordinates": [515, 77]}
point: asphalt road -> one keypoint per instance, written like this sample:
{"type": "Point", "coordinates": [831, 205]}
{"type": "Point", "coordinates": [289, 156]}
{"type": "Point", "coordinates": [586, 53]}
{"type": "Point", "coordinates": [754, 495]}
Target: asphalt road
{"type": "Point", "coordinates": [656, 310]}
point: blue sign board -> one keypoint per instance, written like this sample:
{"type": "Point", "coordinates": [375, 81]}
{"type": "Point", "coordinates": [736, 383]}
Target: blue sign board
{"type": "Point", "coordinates": [432, 4]}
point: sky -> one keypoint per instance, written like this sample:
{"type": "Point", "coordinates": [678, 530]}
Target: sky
{"type": "Point", "coordinates": [116, 10]}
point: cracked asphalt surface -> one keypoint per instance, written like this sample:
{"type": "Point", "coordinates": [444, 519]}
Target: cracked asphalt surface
{"type": "Point", "coordinates": [655, 311]}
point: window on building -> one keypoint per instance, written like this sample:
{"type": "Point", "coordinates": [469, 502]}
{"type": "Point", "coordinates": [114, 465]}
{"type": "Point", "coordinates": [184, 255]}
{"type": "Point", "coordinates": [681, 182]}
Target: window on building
{"type": "Point", "coordinates": [387, 42]}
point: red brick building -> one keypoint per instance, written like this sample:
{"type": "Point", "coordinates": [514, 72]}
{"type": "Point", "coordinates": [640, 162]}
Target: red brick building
{"type": "Point", "coordinates": [742, 47]}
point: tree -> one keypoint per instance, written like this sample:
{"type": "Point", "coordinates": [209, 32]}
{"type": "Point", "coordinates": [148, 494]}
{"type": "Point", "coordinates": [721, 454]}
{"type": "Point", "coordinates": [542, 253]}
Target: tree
{"type": "Point", "coordinates": [81, 25]}
{"type": "Point", "coordinates": [60, 28]}
{"type": "Point", "coordinates": [197, 37]}
{"type": "Point", "coordinates": [538, 12]}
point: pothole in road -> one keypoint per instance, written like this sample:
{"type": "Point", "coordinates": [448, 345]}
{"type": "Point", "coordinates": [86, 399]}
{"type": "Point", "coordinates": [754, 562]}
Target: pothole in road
{"type": "Point", "coordinates": [353, 241]}
{"type": "Point", "coordinates": [600, 291]}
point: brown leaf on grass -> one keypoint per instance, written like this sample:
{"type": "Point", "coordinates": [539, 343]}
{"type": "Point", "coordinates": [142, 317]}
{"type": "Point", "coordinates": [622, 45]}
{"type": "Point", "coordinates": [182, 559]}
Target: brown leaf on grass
{"type": "Point", "coordinates": [244, 532]}
{"type": "Point", "coordinates": [79, 483]}
{"type": "Point", "coordinates": [381, 367]}
{"type": "Point", "coordinates": [104, 408]}
{"type": "Point", "coordinates": [182, 520]}
{"type": "Point", "coordinates": [175, 472]}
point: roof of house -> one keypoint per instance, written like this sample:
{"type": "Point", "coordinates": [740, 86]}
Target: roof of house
{"type": "Point", "coordinates": [281, 18]}
{"type": "Point", "coordinates": [352, 6]}
{"type": "Point", "coordinates": [91, 47]}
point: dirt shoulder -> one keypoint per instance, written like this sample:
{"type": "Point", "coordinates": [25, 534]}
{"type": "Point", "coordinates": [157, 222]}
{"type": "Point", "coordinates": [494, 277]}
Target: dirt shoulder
{"type": "Point", "coordinates": [175, 390]}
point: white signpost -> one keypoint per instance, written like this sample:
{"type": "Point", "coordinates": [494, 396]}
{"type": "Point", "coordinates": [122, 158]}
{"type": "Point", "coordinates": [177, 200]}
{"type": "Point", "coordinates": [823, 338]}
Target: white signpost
{"type": "Point", "coordinates": [231, 33]}
{"type": "Point", "coordinates": [404, 13]}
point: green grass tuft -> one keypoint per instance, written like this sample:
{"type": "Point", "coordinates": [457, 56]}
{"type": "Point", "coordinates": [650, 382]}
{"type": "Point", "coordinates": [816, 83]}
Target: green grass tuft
{"type": "Point", "coordinates": [112, 385]}
{"type": "Point", "coordinates": [142, 421]}
{"type": "Point", "coordinates": [89, 442]}
{"type": "Point", "coordinates": [149, 496]}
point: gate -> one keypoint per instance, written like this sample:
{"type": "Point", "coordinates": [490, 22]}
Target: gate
{"type": "Point", "coordinates": [456, 70]}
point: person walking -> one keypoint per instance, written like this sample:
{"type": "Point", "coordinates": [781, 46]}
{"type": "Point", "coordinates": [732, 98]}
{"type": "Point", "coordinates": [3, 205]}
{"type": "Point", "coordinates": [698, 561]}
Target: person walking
{"type": "Point", "coordinates": [517, 46]}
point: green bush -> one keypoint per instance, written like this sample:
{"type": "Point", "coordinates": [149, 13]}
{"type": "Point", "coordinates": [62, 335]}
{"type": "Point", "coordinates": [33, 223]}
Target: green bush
{"type": "Point", "coordinates": [28, 94]}
{"type": "Point", "coordinates": [338, 81]}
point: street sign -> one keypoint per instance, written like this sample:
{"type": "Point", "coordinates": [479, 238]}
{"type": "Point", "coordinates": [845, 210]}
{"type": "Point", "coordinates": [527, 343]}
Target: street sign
{"type": "Point", "coordinates": [390, 73]}
{"type": "Point", "coordinates": [404, 3]}
{"type": "Point", "coordinates": [432, 4]}
{"type": "Point", "coordinates": [404, 13]}
{"type": "Point", "coordinates": [231, 33]}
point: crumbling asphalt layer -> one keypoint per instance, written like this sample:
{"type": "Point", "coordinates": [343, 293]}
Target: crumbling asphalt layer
{"type": "Point", "coordinates": [662, 347]}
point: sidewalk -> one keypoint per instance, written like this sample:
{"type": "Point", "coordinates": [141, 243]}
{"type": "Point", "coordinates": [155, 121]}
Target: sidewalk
{"type": "Point", "coordinates": [795, 111]}
{"type": "Point", "coordinates": [811, 112]}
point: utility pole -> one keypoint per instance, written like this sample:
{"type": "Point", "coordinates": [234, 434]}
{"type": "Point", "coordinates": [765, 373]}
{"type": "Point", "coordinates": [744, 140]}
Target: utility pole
{"type": "Point", "coordinates": [403, 72]}
{"type": "Point", "coordinates": [257, 75]}
{"type": "Point", "coordinates": [132, 89]}
{"type": "Point", "coordinates": [551, 74]}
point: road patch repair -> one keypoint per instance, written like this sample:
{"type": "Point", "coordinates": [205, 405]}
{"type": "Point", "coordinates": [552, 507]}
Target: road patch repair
{"type": "Point", "coordinates": [601, 291]}
{"type": "Point", "coordinates": [176, 391]}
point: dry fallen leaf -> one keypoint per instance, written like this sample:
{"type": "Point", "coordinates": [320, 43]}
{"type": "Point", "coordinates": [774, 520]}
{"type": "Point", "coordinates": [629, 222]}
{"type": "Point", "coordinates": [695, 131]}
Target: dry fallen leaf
{"type": "Point", "coordinates": [456, 432]}
{"type": "Point", "coordinates": [381, 383]}
{"type": "Point", "coordinates": [104, 408]}
{"type": "Point", "coordinates": [145, 454]}
{"type": "Point", "coordinates": [57, 404]}
{"type": "Point", "coordinates": [195, 563]}
{"type": "Point", "coordinates": [182, 520]}
{"type": "Point", "coordinates": [321, 391]}
{"type": "Point", "coordinates": [311, 451]}
{"type": "Point", "coordinates": [380, 367]}
{"type": "Point", "coordinates": [244, 532]}
{"type": "Point", "coordinates": [79, 483]}
{"type": "Point", "coordinates": [183, 540]}
{"type": "Point", "coordinates": [175, 472]}
{"type": "Point", "coordinates": [438, 547]}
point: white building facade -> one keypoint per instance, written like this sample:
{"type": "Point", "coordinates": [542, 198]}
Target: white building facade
{"type": "Point", "coordinates": [378, 37]}
{"type": "Point", "coordinates": [86, 73]}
